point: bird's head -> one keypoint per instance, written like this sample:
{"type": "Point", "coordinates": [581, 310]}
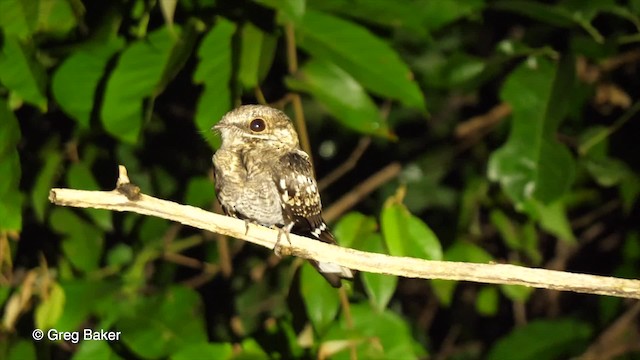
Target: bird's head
{"type": "Point", "coordinates": [257, 124]}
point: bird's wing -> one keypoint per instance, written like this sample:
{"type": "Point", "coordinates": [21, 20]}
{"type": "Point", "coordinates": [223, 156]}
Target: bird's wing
{"type": "Point", "coordinates": [300, 196]}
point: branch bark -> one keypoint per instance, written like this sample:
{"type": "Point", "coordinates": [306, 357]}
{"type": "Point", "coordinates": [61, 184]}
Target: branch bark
{"type": "Point", "coordinates": [307, 248]}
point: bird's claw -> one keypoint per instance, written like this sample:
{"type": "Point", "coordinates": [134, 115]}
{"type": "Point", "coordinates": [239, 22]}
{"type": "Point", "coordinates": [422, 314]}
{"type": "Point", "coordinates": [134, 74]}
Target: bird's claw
{"type": "Point", "coordinates": [277, 248]}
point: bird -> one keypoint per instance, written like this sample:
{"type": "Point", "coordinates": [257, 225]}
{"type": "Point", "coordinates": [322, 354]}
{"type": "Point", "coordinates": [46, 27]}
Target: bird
{"type": "Point", "coordinates": [263, 176]}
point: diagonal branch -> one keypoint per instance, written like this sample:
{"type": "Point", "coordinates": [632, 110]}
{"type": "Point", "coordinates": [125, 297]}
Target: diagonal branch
{"type": "Point", "coordinates": [119, 200]}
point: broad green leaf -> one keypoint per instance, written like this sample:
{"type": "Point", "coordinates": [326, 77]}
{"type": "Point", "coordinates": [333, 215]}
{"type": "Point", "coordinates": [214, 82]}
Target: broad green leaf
{"type": "Point", "coordinates": [289, 10]}
{"type": "Point", "coordinates": [532, 164]}
{"type": "Point", "coordinates": [22, 349]}
{"type": "Point", "coordinates": [214, 72]}
{"type": "Point", "coordinates": [437, 14]}
{"type": "Point", "coordinates": [391, 332]}
{"type": "Point", "coordinates": [50, 309]}
{"type": "Point", "coordinates": [249, 55]}
{"type": "Point", "coordinates": [379, 287]}
{"type": "Point", "coordinates": [200, 192]}
{"type": "Point", "coordinates": [462, 251]}
{"type": "Point", "coordinates": [556, 14]}
{"type": "Point", "coordinates": [11, 210]}
{"type": "Point", "coordinates": [409, 15]}
{"type": "Point", "coordinates": [136, 77]}
{"type": "Point", "coordinates": [83, 242]}
{"type": "Point", "coordinates": [10, 165]}
{"type": "Point", "coordinates": [607, 171]}
{"type": "Point", "coordinates": [352, 228]}
{"type": "Point", "coordinates": [552, 217]}
{"type": "Point", "coordinates": [407, 235]}
{"type": "Point", "coordinates": [81, 301]}
{"type": "Point", "coordinates": [76, 80]}
{"type": "Point", "coordinates": [487, 301]}
{"type": "Point", "coordinates": [181, 52]}
{"type": "Point", "coordinates": [343, 96]}
{"type": "Point", "coordinates": [204, 350]}
{"type": "Point", "coordinates": [517, 293]}
{"type": "Point", "coordinates": [320, 299]}
{"type": "Point", "coordinates": [56, 18]}
{"type": "Point", "coordinates": [9, 134]}
{"type": "Point", "coordinates": [18, 17]}
{"type": "Point", "coordinates": [370, 60]}
{"type": "Point", "coordinates": [95, 350]}
{"type": "Point", "coordinates": [506, 228]}
{"type": "Point", "coordinates": [44, 182]}
{"type": "Point", "coordinates": [10, 198]}
{"type": "Point", "coordinates": [542, 340]}
{"type": "Point", "coordinates": [164, 324]}
{"type": "Point", "coordinates": [251, 350]}
{"type": "Point", "coordinates": [79, 176]}
{"type": "Point", "coordinates": [22, 73]}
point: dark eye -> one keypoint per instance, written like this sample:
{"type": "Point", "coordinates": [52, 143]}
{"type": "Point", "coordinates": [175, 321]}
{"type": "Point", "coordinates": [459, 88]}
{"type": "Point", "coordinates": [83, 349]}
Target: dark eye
{"type": "Point", "coordinates": [257, 125]}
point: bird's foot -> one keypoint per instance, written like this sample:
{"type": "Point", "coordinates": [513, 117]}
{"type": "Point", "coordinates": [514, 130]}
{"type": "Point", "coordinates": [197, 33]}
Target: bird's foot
{"type": "Point", "coordinates": [277, 248]}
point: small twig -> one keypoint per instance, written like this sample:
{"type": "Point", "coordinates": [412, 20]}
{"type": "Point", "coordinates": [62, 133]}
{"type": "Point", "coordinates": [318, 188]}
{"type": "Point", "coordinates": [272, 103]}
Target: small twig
{"type": "Point", "coordinates": [292, 63]}
{"type": "Point", "coordinates": [358, 260]}
{"type": "Point", "coordinates": [348, 200]}
{"type": "Point", "coordinates": [347, 165]}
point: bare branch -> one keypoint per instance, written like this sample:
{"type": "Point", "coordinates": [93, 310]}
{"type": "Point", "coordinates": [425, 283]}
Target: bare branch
{"type": "Point", "coordinates": [354, 259]}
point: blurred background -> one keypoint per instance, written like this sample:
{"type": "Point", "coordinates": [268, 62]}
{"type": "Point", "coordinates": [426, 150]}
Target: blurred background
{"type": "Point", "coordinates": [476, 131]}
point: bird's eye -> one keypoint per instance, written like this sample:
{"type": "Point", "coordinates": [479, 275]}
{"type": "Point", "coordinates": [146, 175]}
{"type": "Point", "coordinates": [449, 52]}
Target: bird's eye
{"type": "Point", "coordinates": [257, 125]}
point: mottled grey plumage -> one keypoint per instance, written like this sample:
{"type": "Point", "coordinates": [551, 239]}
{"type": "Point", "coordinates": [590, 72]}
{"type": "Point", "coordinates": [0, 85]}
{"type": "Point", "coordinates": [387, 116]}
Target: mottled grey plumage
{"type": "Point", "coordinates": [263, 176]}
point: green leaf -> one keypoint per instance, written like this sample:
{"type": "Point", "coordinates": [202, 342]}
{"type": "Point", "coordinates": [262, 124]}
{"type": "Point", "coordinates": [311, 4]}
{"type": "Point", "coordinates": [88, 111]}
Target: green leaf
{"type": "Point", "coordinates": [250, 55]}
{"type": "Point", "coordinates": [44, 183]}
{"type": "Point", "coordinates": [10, 197]}
{"type": "Point", "coordinates": [50, 309]}
{"type": "Point", "coordinates": [532, 164]}
{"type": "Point", "coordinates": [320, 299]}
{"type": "Point", "coordinates": [200, 192]}
{"type": "Point", "coordinates": [164, 324]}
{"type": "Point", "coordinates": [137, 76]}
{"type": "Point", "coordinates": [607, 171]}
{"type": "Point", "coordinates": [21, 73]}
{"type": "Point", "coordinates": [437, 14]}
{"type": "Point", "coordinates": [552, 218]}
{"type": "Point", "coordinates": [79, 176]}
{"type": "Point", "coordinates": [379, 287]}
{"type": "Point", "coordinates": [9, 134]}
{"type": "Point", "coordinates": [343, 96]}
{"type": "Point", "coordinates": [462, 251]}
{"type": "Point", "coordinates": [214, 72]}
{"type": "Point", "coordinates": [56, 18]}
{"type": "Point", "coordinates": [83, 242]}
{"type": "Point", "coordinates": [290, 10]}
{"type": "Point", "coordinates": [11, 210]}
{"type": "Point", "coordinates": [407, 235]}
{"type": "Point", "coordinates": [409, 15]}
{"type": "Point", "coordinates": [487, 301]}
{"type": "Point", "coordinates": [517, 293]}
{"type": "Point", "coordinates": [506, 228]}
{"type": "Point", "coordinates": [95, 350]}
{"type": "Point", "coordinates": [18, 17]}
{"type": "Point", "coordinates": [393, 339]}
{"type": "Point", "coordinates": [352, 228]}
{"type": "Point", "coordinates": [75, 82]}
{"type": "Point", "coordinates": [542, 340]}
{"type": "Point", "coordinates": [81, 299]}
{"type": "Point", "coordinates": [370, 60]}
{"type": "Point", "coordinates": [204, 350]}
{"type": "Point", "coordinates": [22, 349]}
